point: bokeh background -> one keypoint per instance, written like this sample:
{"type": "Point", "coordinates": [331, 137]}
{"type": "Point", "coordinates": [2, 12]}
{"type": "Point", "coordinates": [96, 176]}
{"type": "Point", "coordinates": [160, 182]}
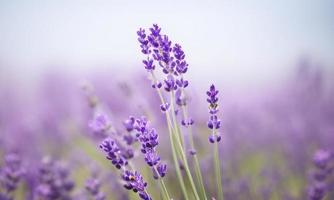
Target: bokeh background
{"type": "Point", "coordinates": [273, 62]}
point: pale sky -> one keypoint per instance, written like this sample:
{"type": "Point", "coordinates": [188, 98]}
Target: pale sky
{"type": "Point", "coordinates": [247, 42]}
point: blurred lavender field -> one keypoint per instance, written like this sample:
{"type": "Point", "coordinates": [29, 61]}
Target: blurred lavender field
{"type": "Point", "coordinates": [62, 114]}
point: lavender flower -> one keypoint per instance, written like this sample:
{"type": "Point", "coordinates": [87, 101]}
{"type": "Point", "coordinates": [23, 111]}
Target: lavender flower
{"type": "Point", "coordinates": [93, 186]}
{"type": "Point", "coordinates": [148, 138]}
{"type": "Point", "coordinates": [11, 173]}
{"type": "Point", "coordinates": [54, 181]}
{"type": "Point", "coordinates": [214, 122]}
{"type": "Point", "coordinates": [100, 124]}
{"type": "Point", "coordinates": [135, 182]}
{"type": "Point", "coordinates": [113, 153]}
{"type": "Point", "coordinates": [319, 187]}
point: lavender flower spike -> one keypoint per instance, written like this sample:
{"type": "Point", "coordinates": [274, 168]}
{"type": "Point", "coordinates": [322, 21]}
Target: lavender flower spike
{"type": "Point", "coordinates": [113, 153]}
{"type": "Point", "coordinates": [135, 182]}
{"type": "Point", "coordinates": [214, 122]}
{"type": "Point", "coordinates": [93, 186]}
{"type": "Point", "coordinates": [148, 137]}
{"type": "Point", "coordinates": [11, 173]}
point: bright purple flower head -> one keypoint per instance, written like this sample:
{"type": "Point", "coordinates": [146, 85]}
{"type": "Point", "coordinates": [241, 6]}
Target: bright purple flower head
{"type": "Point", "coordinates": [148, 138]}
{"type": "Point", "coordinates": [214, 122]}
{"type": "Point", "coordinates": [212, 99]}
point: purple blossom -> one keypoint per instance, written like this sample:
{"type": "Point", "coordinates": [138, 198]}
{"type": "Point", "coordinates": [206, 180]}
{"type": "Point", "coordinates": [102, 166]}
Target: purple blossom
{"type": "Point", "coordinates": [113, 153]}
{"type": "Point", "coordinates": [93, 186]}
{"type": "Point", "coordinates": [145, 49]}
{"type": "Point", "coordinates": [148, 138]}
{"type": "Point", "coordinates": [164, 107]}
{"type": "Point", "coordinates": [100, 124]}
{"type": "Point", "coordinates": [187, 122]}
{"type": "Point", "coordinates": [54, 181]}
{"type": "Point", "coordinates": [11, 173]}
{"type": "Point", "coordinates": [170, 83]}
{"type": "Point", "coordinates": [129, 123]}
{"type": "Point", "coordinates": [321, 158]}
{"type": "Point", "coordinates": [135, 182]}
{"type": "Point", "coordinates": [160, 171]}
{"type": "Point", "coordinates": [319, 186]}
{"type": "Point", "coordinates": [149, 64]}
{"type": "Point", "coordinates": [214, 122]}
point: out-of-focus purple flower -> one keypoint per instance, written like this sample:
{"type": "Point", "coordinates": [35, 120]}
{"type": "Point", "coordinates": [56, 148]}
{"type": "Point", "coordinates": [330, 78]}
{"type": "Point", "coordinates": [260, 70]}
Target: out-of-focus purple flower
{"type": "Point", "coordinates": [129, 123]}
{"type": "Point", "coordinates": [93, 186]}
{"type": "Point", "coordinates": [54, 181]}
{"type": "Point", "coordinates": [214, 122]}
{"type": "Point", "coordinates": [11, 173]}
{"type": "Point", "coordinates": [180, 98]}
{"type": "Point", "coordinates": [321, 158]}
{"type": "Point", "coordinates": [317, 191]}
{"type": "Point", "coordinates": [113, 153]}
{"type": "Point", "coordinates": [319, 187]}
{"type": "Point", "coordinates": [135, 182]}
{"type": "Point", "coordinates": [100, 124]}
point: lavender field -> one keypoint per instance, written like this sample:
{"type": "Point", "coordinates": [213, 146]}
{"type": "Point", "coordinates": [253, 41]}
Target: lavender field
{"type": "Point", "coordinates": [169, 120]}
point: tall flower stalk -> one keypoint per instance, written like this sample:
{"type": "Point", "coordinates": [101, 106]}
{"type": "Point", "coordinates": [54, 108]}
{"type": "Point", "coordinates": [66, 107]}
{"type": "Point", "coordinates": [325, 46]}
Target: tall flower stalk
{"type": "Point", "coordinates": [158, 49]}
{"type": "Point", "coordinates": [214, 125]}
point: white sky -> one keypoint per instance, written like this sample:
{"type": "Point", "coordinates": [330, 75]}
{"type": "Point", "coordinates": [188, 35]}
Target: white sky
{"type": "Point", "coordinates": [247, 42]}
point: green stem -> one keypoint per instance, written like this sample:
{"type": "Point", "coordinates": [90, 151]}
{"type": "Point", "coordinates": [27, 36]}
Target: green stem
{"type": "Point", "coordinates": [178, 138]}
{"type": "Point", "coordinates": [162, 184]}
{"type": "Point", "coordinates": [175, 159]}
{"type": "Point", "coordinates": [195, 158]}
{"type": "Point", "coordinates": [217, 170]}
{"type": "Point", "coordinates": [178, 145]}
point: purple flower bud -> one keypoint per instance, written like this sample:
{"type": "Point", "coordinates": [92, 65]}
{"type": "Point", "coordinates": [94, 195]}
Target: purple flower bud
{"type": "Point", "coordinates": [170, 83]}
{"type": "Point", "coordinates": [164, 107]}
{"type": "Point", "coordinates": [218, 137]}
{"type": "Point", "coordinates": [212, 138]}
{"type": "Point", "coordinates": [157, 85]}
{"type": "Point", "coordinates": [182, 83]}
{"type": "Point", "coordinates": [160, 171]}
{"type": "Point", "coordinates": [192, 152]}
{"type": "Point", "coordinates": [100, 124]}
{"type": "Point", "coordinates": [152, 159]}
{"type": "Point", "coordinates": [149, 64]}
{"type": "Point", "coordinates": [321, 158]}
{"type": "Point", "coordinates": [187, 122]}
{"type": "Point", "coordinates": [129, 124]}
